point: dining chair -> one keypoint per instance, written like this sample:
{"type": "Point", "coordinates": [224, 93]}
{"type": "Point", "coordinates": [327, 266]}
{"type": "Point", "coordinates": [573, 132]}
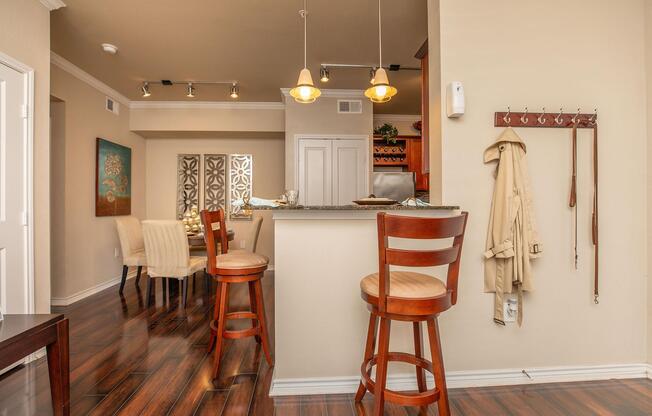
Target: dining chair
{"type": "Point", "coordinates": [166, 245]}
{"type": "Point", "coordinates": [130, 233]}
{"type": "Point", "coordinates": [410, 296]}
{"type": "Point", "coordinates": [251, 241]}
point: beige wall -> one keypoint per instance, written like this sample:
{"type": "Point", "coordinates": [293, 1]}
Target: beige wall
{"type": "Point", "coordinates": [87, 246]}
{"type": "Point", "coordinates": [583, 53]}
{"type": "Point", "coordinates": [648, 67]}
{"type": "Point", "coordinates": [268, 170]}
{"type": "Point", "coordinates": [268, 117]}
{"type": "Point", "coordinates": [320, 117]}
{"type": "Point", "coordinates": [25, 36]}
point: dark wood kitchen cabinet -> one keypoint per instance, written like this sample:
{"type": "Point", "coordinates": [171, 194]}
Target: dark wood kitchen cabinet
{"type": "Point", "coordinates": [405, 153]}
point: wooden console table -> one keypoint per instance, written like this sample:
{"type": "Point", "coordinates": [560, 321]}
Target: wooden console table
{"type": "Point", "coordinates": [21, 335]}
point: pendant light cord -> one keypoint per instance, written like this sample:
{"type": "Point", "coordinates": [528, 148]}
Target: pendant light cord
{"type": "Point", "coordinates": [380, 38]}
{"type": "Point", "coordinates": [305, 33]}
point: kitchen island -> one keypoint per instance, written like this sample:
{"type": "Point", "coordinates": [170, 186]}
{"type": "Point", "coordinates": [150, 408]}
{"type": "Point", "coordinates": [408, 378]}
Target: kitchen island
{"type": "Point", "coordinates": [321, 253]}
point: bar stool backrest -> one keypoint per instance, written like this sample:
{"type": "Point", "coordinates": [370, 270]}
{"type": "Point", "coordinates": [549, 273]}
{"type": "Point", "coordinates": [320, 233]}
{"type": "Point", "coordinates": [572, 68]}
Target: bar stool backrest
{"type": "Point", "coordinates": [400, 226]}
{"type": "Point", "coordinates": [214, 235]}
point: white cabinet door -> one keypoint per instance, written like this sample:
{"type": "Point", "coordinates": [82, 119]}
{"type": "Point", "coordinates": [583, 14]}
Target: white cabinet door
{"type": "Point", "coordinates": [14, 284]}
{"type": "Point", "coordinates": [350, 172]}
{"type": "Point", "coordinates": [315, 172]}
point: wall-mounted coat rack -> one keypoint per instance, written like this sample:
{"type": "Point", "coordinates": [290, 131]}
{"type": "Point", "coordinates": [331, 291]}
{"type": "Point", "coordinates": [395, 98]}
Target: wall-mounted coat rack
{"type": "Point", "coordinates": [572, 121]}
{"type": "Point", "coordinates": [543, 119]}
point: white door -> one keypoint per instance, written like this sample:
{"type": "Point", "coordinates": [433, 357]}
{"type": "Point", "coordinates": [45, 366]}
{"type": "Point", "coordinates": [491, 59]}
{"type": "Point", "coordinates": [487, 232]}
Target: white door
{"type": "Point", "coordinates": [350, 172]}
{"type": "Point", "coordinates": [315, 172]}
{"type": "Point", "coordinates": [14, 284]}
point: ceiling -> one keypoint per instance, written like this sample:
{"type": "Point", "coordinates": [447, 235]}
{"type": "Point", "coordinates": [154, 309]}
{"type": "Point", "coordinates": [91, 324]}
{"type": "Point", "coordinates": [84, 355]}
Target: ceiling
{"type": "Point", "coordinates": [257, 42]}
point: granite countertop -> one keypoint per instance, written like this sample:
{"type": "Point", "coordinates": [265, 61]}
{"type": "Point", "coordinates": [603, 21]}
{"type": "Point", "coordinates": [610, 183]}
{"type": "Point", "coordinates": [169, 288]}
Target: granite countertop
{"type": "Point", "coordinates": [354, 207]}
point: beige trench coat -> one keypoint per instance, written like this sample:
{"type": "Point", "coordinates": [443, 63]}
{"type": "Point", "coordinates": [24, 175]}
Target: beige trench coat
{"type": "Point", "coordinates": [512, 239]}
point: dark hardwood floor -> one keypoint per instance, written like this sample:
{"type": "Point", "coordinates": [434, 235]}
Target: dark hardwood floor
{"type": "Point", "coordinates": [130, 360]}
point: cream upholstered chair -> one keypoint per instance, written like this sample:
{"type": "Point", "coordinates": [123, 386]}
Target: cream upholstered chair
{"type": "Point", "coordinates": [132, 246]}
{"type": "Point", "coordinates": [168, 255]}
{"type": "Point", "coordinates": [251, 241]}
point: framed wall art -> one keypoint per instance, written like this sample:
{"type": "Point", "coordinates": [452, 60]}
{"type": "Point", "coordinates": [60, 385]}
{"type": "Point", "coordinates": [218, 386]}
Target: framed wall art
{"type": "Point", "coordinates": [112, 179]}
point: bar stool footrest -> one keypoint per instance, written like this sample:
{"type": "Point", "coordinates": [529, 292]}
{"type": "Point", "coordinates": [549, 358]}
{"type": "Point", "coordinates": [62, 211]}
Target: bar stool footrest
{"type": "Point", "coordinates": [406, 399]}
{"type": "Point", "coordinates": [242, 333]}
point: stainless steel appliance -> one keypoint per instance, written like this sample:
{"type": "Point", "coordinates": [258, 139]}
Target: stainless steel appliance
{"type": "Point", "coordinates": [394, 185]}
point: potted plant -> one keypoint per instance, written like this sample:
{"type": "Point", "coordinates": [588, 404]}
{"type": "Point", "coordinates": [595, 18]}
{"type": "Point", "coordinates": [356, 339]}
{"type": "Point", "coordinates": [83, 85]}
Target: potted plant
{"type": "Point", "coordinates": [388, 132]}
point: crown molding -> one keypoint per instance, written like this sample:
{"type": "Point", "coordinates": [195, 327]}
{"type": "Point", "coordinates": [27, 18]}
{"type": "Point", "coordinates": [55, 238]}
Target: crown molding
{"type": "Point", "coordinates": [332, 93]}
{"type": "Point", "coordinates": [84, 76]}
{"type": "Point", "coordinates": [53, 4]}
{"type": "Point", "coordinates": [397, 117]}
{"type": "Point", "coordinates": [210, 105]}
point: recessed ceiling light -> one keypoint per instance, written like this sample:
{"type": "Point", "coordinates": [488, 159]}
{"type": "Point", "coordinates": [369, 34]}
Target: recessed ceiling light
{"type": "Point", "coordinates": [109, 48]}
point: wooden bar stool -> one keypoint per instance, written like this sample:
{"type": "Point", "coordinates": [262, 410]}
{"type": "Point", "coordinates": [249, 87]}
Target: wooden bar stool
{"type": "Point", "coordinates": [412, 297]}
{"type": "Point", "coordinates": [233, 266]}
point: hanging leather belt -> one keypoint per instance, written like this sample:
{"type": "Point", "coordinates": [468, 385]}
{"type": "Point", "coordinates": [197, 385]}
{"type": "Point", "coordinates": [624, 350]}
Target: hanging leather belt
{"type": "Point", "coordinates": [594, 217]}
{"type": "Point", "coordinates": [594, 222]}
{"type": "Point", "coordinates": [572, 202]}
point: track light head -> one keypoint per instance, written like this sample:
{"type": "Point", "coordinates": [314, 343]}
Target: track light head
{"type": "Point", "coordinates": [190, 91]}
{"type": "Point", "coordinates": [235, 91]}
{"type": "Point", "coordinates": [372, 75]}
{"type": "Point", "coordinates": [324, 74]}
{"type": "Point", "coordinates": [145, 90]}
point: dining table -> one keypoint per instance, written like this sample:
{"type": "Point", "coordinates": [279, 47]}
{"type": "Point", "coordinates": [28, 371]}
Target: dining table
{"type": "Point", "coordinates": [196, 241]}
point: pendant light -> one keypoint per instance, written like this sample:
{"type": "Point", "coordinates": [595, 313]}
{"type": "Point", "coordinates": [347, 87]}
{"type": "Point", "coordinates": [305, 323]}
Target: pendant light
{"type": "Point", "coordinates": [305, 91]}
{"type": "Point", "coordinates": [380, 91]}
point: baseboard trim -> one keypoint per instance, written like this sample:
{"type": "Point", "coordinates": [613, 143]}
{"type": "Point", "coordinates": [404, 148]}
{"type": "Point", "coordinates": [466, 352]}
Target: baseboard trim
{"type": "Point", "coordinates": [460, 379]}
{"type": "Point", "coordinates": [69, 300]}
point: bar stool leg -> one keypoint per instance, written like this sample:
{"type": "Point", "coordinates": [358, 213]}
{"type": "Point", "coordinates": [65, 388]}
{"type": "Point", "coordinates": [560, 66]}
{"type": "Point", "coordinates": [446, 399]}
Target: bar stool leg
{"type": "Point", "coordinates": [216, 314]}
{"type": "Point", "coordinates": [418, 352]}
{"type": "Point", "coordinates": [252, 302]}
{"type": "Point", "coordinates": [438, 366]}
{"type": "Point", "coordinates": [368, 351]}
{"type": "Point", "coordinates": [221, 321]}
{"type": "Point", "coordinates": [381, 370]}
{"type": "Point", "coordinates": [260, 307]}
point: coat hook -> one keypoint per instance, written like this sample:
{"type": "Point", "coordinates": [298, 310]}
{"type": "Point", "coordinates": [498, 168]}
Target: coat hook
{"type": "Point", "coordinates": [542, 116]}
{"type": "Point", "coordinates": [507, 119]}
{"type": "Point", "coordinates": [594, 116]}
{"type": "Point", "coordinates": [558, 118]}
{"type": "Point", "coordinates": [524, 118]}
{"type": "Point", "coordinates": [575, 118]}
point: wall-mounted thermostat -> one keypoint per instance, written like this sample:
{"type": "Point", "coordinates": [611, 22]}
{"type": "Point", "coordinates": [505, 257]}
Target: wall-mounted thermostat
{"type": "Point", "coordinates": [455, 99]}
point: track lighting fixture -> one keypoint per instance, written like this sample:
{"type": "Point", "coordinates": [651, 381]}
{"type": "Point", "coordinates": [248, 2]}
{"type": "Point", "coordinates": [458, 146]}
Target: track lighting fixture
{"type": "Point", "coordinates": [305, 91]}
{"type": "Point", "coordinates": [235, 91]}
{"type": "Point", "coordinates": [190, 91]}
{"type": "Point", "coordinates": [190, 86]}
{"type": "Point", "coordinates": [145, 90]}
{"type": "Point", "coordinates": [380, 91]}
{"type": "Point", "coordinates": [324, 74]}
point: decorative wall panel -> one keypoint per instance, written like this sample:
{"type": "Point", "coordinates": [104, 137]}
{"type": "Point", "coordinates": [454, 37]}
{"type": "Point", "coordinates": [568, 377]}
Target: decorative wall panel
{"type": "Point", "coordinates": [214, 182]}
{"type": "Point", "coordinates": [241, 178]}
{"type": "Point", "coordinates": [187, 183]}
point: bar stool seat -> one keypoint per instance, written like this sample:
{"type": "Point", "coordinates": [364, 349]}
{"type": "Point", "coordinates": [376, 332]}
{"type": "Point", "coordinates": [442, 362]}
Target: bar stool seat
{"type": "Point", "coordinates": [241, 259]}
{"type": "Point", "coordinates": [405, 285]}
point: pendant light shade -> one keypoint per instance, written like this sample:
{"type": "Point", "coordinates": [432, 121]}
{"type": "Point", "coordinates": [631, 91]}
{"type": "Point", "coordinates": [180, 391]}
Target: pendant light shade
{"type": "Point", "coordinates": [380, 91]}
{"type": "Point", "coordinates": [305, 92]}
